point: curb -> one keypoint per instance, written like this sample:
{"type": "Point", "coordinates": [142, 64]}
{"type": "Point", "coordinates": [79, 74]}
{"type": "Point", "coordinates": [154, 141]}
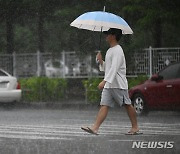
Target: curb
{"type": "Point", "coordinates": [45, 105]}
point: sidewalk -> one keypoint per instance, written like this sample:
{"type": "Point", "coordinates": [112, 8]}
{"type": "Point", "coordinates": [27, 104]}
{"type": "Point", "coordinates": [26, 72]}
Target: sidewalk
{"type": "Point", "coordinates": [64, 104]}
{"type": "Point", "coordinates": [77, 104]}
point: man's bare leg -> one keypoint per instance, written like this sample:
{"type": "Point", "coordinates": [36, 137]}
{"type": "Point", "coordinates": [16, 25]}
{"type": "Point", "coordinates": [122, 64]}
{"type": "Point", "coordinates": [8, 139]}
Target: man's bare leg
{"type": "Point", "coordinates": [101, 116]}
{"type": "Point", "coordinates": [132, 116]}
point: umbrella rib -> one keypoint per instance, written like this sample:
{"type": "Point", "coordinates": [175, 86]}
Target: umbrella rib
{"type": "Point", "coordinates": [94, 28]}
{"type": "Point", "coordinates": [80, 25]}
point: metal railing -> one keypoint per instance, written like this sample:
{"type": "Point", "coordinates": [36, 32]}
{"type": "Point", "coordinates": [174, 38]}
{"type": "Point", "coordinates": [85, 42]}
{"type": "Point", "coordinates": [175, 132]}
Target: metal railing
{"type": "Point", "coordinates": [71, 65]}
{"type": "Point", "coordinates": [151, 60]}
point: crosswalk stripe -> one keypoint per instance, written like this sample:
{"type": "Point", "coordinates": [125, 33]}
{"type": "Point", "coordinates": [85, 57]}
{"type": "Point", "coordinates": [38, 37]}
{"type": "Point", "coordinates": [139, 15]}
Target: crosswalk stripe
{"type": "Point", "coordinates": [35, 137]}
{"type": "Point", "coordinates": [68, 132]}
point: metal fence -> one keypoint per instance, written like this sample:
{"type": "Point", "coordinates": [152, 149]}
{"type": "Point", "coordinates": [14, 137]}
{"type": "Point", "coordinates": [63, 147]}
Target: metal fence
{"type": "Point", "coordinates": [65, 65]}
{"type": "Point", "coordinates": [151, 60]}
{"type": "Point", "coordinates": [72, 65]}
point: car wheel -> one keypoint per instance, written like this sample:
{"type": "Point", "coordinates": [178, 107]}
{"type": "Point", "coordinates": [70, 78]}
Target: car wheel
{"type": "Point", "coordinates": [139, 104]}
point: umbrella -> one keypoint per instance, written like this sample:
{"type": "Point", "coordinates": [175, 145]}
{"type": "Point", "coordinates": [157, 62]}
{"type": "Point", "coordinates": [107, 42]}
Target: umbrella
{"type": "Point", "coordinates": [101, 21]}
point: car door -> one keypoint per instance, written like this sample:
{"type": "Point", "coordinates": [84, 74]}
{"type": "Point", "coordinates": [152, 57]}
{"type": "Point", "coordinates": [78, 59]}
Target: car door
{"type": "Point", "coordinates": [170, 85]}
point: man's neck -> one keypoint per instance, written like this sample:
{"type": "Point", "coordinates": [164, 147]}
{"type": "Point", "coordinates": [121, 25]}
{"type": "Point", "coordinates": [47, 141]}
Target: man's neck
{"type": "Point", "coordinates": [114, 43]}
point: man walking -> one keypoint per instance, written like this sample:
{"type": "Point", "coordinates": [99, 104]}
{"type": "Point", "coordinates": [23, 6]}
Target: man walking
{"type": "Point", "coordinates": [114, 85]}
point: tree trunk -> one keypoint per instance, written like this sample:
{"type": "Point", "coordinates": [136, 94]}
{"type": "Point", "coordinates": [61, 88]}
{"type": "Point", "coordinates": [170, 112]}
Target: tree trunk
{"type": "Point", "coordinates": [40, 32]}
{"type": "Point", "coordinates": [157, 33]}
{"type": "Point", "coordinates": [10, 34]}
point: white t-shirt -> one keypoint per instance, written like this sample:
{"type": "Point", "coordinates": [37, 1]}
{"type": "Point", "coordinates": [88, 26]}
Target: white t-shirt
{"type": "Point", "coordinates": [115, 68]}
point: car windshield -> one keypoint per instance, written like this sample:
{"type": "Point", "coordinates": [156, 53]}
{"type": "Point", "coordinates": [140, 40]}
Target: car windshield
{"type": "Point", "coordinates": [171, 72]}
{"type": "Point", "coordinates": [56, 64]}
{"type": "Point", "coordinates": [2, 73]}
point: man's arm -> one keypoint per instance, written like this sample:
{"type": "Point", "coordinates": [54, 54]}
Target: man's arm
{"type": "Point", "coordinates": [101, 84]}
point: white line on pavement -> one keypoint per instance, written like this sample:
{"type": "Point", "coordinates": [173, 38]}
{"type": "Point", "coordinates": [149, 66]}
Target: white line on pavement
{"type": "Point", "coordinates": [67, 132]}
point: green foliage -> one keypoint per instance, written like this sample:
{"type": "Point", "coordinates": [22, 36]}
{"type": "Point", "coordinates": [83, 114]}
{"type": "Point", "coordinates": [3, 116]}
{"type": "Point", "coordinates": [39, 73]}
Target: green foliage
{"type": "Point", "coordinates": [136, 80]}
{"type": "Point", "coordinates": [155, 23]}
{"type": "Point", "coordinates": [24, 39]}
{"type": "Point", "coordinates": [44, 89]}
{"type": "Point", "coordinates": [149, 20]}
{"type": "Point", "coordinates": [94, 95]}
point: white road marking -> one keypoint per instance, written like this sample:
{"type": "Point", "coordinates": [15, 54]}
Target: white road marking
{"type": "Point", "coordinates": [117, 140]}
{"type": "Point", "coordinates": [69, 132]}
{"type": "Point", "coordinates": [34, 137]}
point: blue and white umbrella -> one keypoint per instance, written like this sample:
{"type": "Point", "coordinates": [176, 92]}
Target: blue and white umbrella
{"type": "Point", "coordinates": [101, 21]}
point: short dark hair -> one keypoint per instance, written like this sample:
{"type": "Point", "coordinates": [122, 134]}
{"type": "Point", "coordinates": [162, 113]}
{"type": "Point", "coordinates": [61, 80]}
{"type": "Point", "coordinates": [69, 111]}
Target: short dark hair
{"type": "Point", "coordinates": [118, 37]}
{"type": "Point", "coordinates": [114, 31]}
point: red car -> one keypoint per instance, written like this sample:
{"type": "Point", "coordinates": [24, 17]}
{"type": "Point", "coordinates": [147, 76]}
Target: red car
{"type": "Point", "coordinates": [161, 91]}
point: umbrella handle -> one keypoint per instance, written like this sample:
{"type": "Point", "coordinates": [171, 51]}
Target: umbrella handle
{"type": "Point", "coordinates": [100, 39]}
{"type": "Point", "coordinates": [104, 9]}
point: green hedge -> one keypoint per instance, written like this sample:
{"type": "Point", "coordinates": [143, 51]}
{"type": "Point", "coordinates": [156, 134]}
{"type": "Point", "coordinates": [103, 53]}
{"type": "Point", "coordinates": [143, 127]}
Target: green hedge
{"type": "Point", "coordinates": [92, 92]}
{"type": "Point", "coordinates": [136, 80]}
{"type": "Point", "coordinates": [44, 89]}
{"type": "Point", "coordinates": [37, 89]}
{"type": "Point", "coordinates": [93, 95]}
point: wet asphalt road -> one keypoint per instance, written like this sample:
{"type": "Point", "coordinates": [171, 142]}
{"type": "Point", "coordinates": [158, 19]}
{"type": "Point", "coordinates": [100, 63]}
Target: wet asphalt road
{"type": "Point", "coordinates": [57, 131]}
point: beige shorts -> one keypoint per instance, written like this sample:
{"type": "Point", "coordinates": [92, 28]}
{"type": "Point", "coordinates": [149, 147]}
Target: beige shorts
{"type": "Point", "coordinates": [111, 95]}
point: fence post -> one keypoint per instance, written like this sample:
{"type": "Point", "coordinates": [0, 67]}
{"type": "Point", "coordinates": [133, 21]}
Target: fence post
{"type": "Point", "coordinates": [86, 97]}
{"type": "Point", "coordinates": [64, 66]}
{"type": "Point", "coordinates": [38, 63]}
{"type": "Point", "coordinates": [150, 61]}
{"type": "Point", "coordinates": [14, 63]}
{"type": "Point", "coordinates": [91, 65]}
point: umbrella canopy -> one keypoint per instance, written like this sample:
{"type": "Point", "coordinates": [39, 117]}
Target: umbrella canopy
{"type": "Point", "coordinates": [101, 21]}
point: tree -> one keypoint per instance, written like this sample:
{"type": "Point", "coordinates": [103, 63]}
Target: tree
{"type": "Point", "coordinates": [44, 25]}
{"type": "Point", "coordinates": [9, 10]}
{"type": "Point", "coordinates": [150, 16]}
{"type": "Point", "coordinates": [41, 10]}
